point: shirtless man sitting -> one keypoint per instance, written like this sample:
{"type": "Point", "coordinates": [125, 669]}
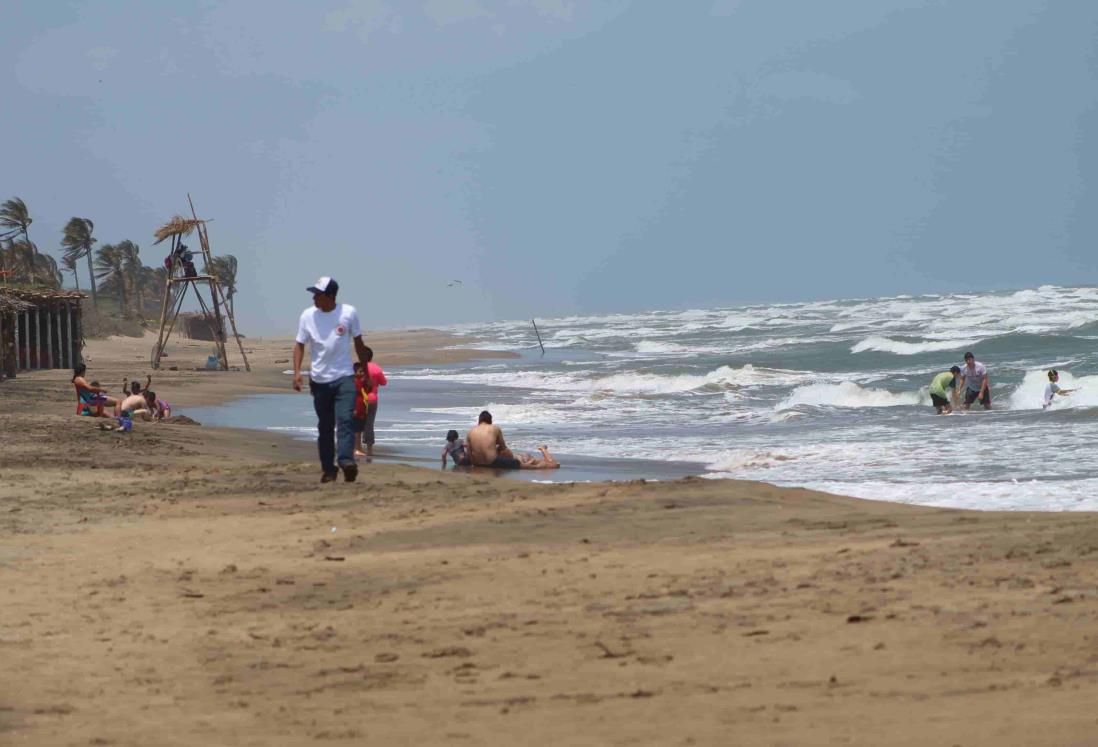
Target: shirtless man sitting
{"type": "Point", "coordinates": [487, 448]}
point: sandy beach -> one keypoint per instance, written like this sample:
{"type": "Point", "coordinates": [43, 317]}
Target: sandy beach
{"type": "Point", "coordinates": [186, 585]}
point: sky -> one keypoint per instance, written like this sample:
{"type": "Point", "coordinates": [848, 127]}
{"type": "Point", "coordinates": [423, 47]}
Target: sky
{"type": "Point", "coordinates": [563, 157]}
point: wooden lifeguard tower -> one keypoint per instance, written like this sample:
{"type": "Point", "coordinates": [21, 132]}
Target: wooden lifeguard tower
{"type": "Point", "coordinates": [181, 277]}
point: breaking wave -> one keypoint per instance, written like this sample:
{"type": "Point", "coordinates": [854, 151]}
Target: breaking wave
{"type": "Point", "coordinates": [899, 347]}
{"type": "Point", "coordinates": [847, 394]}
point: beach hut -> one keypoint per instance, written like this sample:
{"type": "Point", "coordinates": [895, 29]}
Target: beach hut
{"type": "Point", "coordinates": [39, 329]}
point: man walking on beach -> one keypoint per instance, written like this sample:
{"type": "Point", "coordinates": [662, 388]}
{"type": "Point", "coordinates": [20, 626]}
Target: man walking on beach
{"type": "Point", "coordinates": [976, 382]}
{"type": "Point", "coordinates": [329, 327]}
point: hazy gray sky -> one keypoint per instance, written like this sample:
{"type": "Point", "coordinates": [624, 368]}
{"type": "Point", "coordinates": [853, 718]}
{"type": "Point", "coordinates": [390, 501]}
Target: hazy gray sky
{"type": "Point", "coordinates": [567, 157]}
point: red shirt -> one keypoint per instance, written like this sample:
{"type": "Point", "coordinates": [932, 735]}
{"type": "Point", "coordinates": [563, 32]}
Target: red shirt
{"type": "Point", "coordinates": [377, 378]}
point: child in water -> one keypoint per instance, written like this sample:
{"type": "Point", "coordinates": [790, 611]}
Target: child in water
{"type": "Point", "coordinates": [455, 449]}
{"type": "Point", "coordinates": [1052, 388]}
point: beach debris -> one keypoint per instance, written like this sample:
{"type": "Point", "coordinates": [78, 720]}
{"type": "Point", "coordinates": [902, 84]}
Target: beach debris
{"type": "Point", "coordinates": [386, 657]}
{"type": "Point", "coordinates": [900, 542]}
{"type": "Point", "coordinates": [333, 530]}
{"type": "Point", "coordinates": [445, 651]}
{"type": "Point", "coordinates": [609, 653]}
{"type": "Point", "coordinates": [192, 595]}
{"type": "Point", "coordinates": [336, 558]}
{"type": "Point", "coordinates": [859, 618]}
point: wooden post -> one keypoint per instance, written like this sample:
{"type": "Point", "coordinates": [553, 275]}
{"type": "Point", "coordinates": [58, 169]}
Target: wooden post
{"type": "Point", "coordinates": [68, 323]}
{"type": "Point", "coordinates": [232, 322]}
{"type": "Point", "coordinates": [37, 342]}
{"type": "Point", "coordinates": [49, 337]}
{"type": "Point", "coordinates": [60, 363]}
{"type": "Point", "coordinates": [175, 315]}
{"type": "Point", "coordinates": [161, 342]}
{"type": "Point", "coordinates": [222, 362]}
{"type": "Point", "coordinates": [17, 366]}
{"type": "Point", "coordinates": [539, 336]}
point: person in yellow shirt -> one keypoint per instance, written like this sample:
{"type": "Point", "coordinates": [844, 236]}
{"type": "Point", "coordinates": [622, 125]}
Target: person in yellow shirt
{"type": "Point", "coordinates": [943, 389]}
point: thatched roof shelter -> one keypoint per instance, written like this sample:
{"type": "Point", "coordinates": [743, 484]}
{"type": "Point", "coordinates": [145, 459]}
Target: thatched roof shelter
{"type": "Point", "coordinates": [9, 302]}
{"type": "Point", "coordinates": [39, 329]}
{"type": "Point", "coordinates": [176, 226]}
{"type": "Point", "coordinates": [40, 295]}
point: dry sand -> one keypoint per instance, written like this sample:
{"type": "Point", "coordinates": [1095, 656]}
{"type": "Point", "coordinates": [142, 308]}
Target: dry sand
{"type": "Point", "coordinates": [183, 585]}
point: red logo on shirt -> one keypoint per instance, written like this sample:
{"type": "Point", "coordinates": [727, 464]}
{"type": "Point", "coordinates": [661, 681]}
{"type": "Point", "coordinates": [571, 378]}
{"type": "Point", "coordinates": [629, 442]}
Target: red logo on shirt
{"type": "Point", "coordinates": [341, 330]}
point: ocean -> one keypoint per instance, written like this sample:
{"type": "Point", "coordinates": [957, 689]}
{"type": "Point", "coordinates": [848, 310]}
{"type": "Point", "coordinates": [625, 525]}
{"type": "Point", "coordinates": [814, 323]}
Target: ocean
{"type": "Point", "coordinates": [830, 395]}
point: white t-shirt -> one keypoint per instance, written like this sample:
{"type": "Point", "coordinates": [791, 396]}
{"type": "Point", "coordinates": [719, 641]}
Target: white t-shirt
{"type": "Point", "coordinates": [974, 377]}
{"type": "Point", "coordinates": [330, 337]}
{"type": "Point", "coordinates": [1050, 391]}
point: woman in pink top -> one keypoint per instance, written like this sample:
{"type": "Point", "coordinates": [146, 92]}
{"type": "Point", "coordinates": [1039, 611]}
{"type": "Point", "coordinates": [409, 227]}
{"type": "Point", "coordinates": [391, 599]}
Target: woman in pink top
{"type": "Point", "coordinates": [366, 404]}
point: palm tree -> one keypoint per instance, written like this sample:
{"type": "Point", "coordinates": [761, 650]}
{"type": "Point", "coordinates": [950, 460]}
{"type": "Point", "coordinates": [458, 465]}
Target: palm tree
{"type": "Point", "coordinates": [69, 263]}
{"type": "Point", "coordinates": [43, 267]}
{"type": "Point", "coordinates": [14, 218]}
{"type": "Point", "coordinates": [132, 273]}
{"type": "Point", "coordinates": [111, 272]}
{"type": "Point", "coordinates": [78, 242]}
{"type": "Point", "coordinates": [224, 269]}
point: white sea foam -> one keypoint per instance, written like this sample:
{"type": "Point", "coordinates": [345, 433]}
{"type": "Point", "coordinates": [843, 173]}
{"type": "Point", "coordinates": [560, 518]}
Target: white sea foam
{"type": "Point", "coordinates": [899, 347]}
{"type": "Point", "coordinates": [847, 394]}
{"type": "Point", "coordinates": [633, 383]}
{"type": "Point", "coordinates": [736, 461]}
{"type": "Point", "coordinates": [655, 346]}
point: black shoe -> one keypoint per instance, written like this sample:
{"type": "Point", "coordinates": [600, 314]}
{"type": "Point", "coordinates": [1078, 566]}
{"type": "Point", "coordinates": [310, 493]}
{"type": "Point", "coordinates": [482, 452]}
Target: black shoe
{"type": "Point", "coordinates": [329, 476]}
{"type": "Point", "coordinates": [350, 472]}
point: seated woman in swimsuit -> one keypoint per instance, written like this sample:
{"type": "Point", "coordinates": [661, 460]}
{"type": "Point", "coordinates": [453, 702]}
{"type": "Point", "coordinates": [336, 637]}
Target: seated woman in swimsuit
{"type": "Point", "coordinates": [90, 394]}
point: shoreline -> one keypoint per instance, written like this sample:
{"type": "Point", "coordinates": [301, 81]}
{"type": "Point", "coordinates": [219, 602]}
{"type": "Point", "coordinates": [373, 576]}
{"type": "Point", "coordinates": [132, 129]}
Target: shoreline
{"type": "Point", "coordinates": [184, 584]}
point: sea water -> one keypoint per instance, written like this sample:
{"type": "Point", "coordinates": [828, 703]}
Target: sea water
{"type": "Point", "coordinates": [829, 395]}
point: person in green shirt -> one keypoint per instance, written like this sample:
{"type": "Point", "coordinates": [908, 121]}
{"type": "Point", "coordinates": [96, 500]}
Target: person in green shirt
{"type": "Point", "coordinates": [943, 388]}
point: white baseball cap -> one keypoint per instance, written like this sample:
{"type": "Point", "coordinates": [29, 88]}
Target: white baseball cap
{"type": "Point", "coordinates": [324, 285]}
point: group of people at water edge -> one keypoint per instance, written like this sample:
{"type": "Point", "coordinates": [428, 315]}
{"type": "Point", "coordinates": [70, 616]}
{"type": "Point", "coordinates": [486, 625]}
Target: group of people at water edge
{"type": "Point", "coordinates": [345, 395]}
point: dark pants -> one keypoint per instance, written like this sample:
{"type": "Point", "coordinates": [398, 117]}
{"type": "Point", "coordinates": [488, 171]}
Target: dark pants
{"type": "Point", "coordinates": [971, 395]}
{"type": "Point", "coordinates": [368, 426]}
{"type": "Point", "coordinates": [334, 403]}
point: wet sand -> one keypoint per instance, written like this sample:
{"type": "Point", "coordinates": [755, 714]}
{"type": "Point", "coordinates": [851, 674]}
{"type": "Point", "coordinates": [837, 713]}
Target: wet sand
{"type": "Point", "coordinates": [184, 585]}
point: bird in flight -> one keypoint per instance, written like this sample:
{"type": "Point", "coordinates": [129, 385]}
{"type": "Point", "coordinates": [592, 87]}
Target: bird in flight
{"type": "Point", "coordinates": [452, 283]}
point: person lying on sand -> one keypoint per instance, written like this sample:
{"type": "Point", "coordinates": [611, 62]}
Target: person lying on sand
{"type": "Point", "coordinates": [487, 448]}
{"type": "Point", "coordinates": [546, 461]}
{"type": "Point", "coordinates": [90, 394]}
